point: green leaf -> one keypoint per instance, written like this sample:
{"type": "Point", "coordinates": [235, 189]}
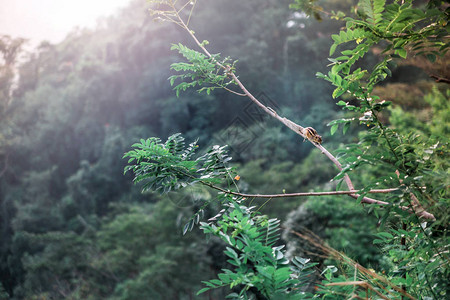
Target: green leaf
{"type": "Point", "coordinates": [409, 279]}
{"type": "Point", "coordinates": [333, 49]}
{"type": "Point", "coordinates": [385, 235]}
{"type": "Point", "coordinates": [346, 127]}
{"type": "Point", "coordinates": [203, 290]}
{"type": "Point", "coordinates": [216, 281]}
{"type": "Point", "coordinates": [338, 92]}
{"type": "Point", "coordinates": [334, 128]}
{"type": "Point", "coordinates": [402, 53]}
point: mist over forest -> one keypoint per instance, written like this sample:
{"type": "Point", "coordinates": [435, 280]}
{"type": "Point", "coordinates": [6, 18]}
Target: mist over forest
{"type": "Point", "coordinates": [73, 226]}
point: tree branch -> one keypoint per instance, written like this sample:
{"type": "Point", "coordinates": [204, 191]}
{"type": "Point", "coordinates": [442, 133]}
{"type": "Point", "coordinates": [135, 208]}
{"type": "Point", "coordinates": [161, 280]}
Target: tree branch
{"type": "Point", "coordinates": [440, 79]}
{"type": "Point", "coordinates": [290, 195]}
{"type": "Point", "coordinates": [352, 193]}
{"type": "Point", "coordinates": [291, 125]}
{"type": "Point", "coordinates": [231, 91]}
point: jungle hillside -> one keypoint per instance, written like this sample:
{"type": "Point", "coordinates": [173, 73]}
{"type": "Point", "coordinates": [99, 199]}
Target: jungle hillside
{"type": "Point", "coordinates": [277, 149]}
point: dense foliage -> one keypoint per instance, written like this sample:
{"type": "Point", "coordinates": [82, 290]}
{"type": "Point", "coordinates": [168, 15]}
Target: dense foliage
{"type": "Point", "coordinates": [72, 226]}
{"type": "Point", "coordinates": [412, 164]}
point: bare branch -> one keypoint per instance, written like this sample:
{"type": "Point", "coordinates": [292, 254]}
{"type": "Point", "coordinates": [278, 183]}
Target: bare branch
{"type": "Point", "coordinates": [236, 93]}
{"type": "Point", "coordinates": [440, 79]}
{"type": "Point", "coordinates": [192, 10]}
{"type": "Point", "coordinates": [290, 195]}
{"type": "Point", "coordinates": [352, 193]}
{"type": "Point", "coordinates": [423, 214]}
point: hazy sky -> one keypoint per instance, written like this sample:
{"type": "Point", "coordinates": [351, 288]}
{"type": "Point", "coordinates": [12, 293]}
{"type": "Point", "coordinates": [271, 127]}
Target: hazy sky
{"type": "Point", "coordinates": [52, 19]}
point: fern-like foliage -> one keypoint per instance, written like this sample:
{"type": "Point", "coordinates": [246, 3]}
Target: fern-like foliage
{"type": "Point", "coordinates": [171, 165]}
{"type": "Point", "coordinates": [259, 265]}
{"type": "Point", "coordinates": [208, 73]}
{"type": "Point", "coordinates": [373, 10]}
{"type": "Point", "coordinates": [409, 160]}
{"type": "Point", "coordinates": [405, 29]}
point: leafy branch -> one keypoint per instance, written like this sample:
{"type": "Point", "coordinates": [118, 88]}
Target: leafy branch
{"type": "Point", "coordinates": [259, 265]}
{"type": "Point", "coordinates": [201, 70]}
{"type": "Point", "coordinates": [172, 13]}
{"type": "Point", "coordinates": [171, 166]}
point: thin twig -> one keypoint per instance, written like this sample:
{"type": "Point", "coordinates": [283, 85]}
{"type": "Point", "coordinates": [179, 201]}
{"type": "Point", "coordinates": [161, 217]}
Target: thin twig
{"type": "Point", "coordinates": [383, 191]}
{"type": "Point", "coordinates": [352, 194]}
{"type": "Point", "coordinates": [231, 91]}
{"type": "Point", "coordinates": [192, 9]}
{"type": "Point", "coordinates": [440, 79]}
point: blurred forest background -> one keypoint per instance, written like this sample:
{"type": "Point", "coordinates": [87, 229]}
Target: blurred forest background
{"type": "Point", "coordinates": [73, 226]}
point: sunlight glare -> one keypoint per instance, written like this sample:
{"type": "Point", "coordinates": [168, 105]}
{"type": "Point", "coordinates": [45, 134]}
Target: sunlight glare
{"type": "Point", "coordinates": [52, 19]}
